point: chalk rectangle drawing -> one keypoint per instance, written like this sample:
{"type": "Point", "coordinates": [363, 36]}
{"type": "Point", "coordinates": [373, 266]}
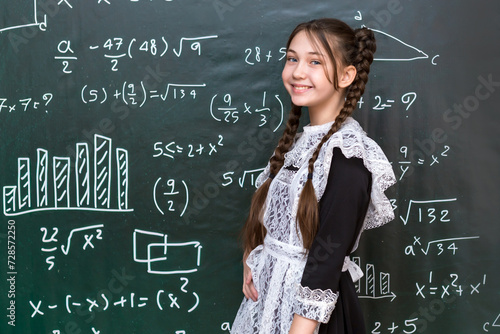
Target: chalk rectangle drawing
{"type": "Point", "coordinates": [163, 257]}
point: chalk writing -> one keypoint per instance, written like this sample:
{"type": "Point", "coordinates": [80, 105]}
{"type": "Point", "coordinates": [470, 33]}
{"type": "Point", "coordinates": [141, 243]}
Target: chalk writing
{"type": "Point", "coordinates": [440, 245]}
{"type": "Point", "coordinates": [171, 149]}
{"type": "Point", "coordinates": [429, 288]}
{"type": "Point", "coordinates": [247, 179]}
{"type": "Point", "coordinates": [408, 327]}
{"type": "Point", "coordinates": [65, 55]}
{"type": "Point", "coordinates": [169, 196]}
{"type": "Point", "coordinates": [132, 94]}
{"type": "Point", "coordinates": [161, 300]}
{"type": "Point", "coordinates": [384, 103]}
{"type": "Point", "coordinates": [425, 154]}
{"type": "Point", "coordinates": [116, 48]}
{"type": "Point", "coordinates": [255, 55]}
{"type": "Point", "coordinates": [26, 104]}
{"type": "Point", "coordinates": [223, 110]}
{"type": "Point", "coordinates": [431, 211]}
{"type": "Point", "coordinates": [85, 234]}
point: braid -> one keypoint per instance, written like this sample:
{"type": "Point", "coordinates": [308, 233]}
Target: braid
{"type": "Point", "coordinates": [362, 61]}
{"type": "Point", "coordinates": [254, 232]}
{"type": "Point", "coordinates": [307, 213]}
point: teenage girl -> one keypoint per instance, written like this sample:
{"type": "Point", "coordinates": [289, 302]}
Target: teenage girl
{"type": "Point", "coordinates": [320, 190]}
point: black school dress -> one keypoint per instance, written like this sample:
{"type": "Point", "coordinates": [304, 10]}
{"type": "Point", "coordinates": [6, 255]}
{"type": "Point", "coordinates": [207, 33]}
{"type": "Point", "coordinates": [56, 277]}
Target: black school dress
{"type": "Point", "coordinates": [342, 211]}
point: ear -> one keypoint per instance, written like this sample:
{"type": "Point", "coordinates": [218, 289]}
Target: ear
{"type": "Point", "coordinates": [347, 76]}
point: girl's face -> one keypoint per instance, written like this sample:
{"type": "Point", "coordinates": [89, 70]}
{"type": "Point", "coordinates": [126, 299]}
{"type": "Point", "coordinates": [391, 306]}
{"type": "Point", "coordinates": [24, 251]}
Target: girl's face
{"type": "Point", "coordinates": [305, 77]}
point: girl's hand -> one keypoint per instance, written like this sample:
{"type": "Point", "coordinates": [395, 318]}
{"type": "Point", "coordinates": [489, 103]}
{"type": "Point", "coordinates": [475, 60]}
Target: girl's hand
{"type": "Point", "coordinates": [248, 288]}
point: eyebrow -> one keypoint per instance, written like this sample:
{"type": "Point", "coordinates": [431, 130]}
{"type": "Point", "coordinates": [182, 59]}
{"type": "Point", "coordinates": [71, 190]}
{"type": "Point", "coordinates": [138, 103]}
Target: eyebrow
{"type": "Point", "coordinates": [311, 53]}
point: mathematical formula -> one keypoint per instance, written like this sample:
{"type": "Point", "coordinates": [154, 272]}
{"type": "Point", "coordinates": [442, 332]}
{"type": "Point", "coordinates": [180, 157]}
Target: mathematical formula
{"type": "Point", "coordinates": [172, 149]}
{"type": "Point", "coordinates": [458, 287]}
{"type": "Point", "coordinates": [223, 110]}
{"type": "Point", "coordinates": [116, 48]}
{"type": "Point", "coordinates": [438, 247]}
{"type": "Point", "coordinates": [161, 300]}
{"type": "Point", "coordinates": [88, 234]}
{"type": "Point", "coordinates": [132, 94]}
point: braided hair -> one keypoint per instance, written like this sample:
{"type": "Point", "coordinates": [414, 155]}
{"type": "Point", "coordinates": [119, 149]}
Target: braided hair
{"type": "Point", "coordinates": [344, 46]}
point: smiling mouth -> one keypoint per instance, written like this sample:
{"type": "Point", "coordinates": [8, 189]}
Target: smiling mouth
{"type": "Point", "coordinates": [300, 88]}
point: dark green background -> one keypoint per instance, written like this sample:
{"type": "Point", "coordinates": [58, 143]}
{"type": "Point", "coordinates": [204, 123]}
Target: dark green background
{"type": "Point", "coordinates": [464, 35]}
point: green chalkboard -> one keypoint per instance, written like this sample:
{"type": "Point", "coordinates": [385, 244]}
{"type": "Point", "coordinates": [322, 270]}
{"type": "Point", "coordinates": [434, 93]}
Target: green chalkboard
{"type": "Point", "coordinates": [131, 133]}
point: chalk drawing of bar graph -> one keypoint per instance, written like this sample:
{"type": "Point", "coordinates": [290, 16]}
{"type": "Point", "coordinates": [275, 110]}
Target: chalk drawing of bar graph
{"type": "Point", "coordinates": [373, 289]}
{"type": "Point", "coordinates": [16, 16]}
{"type": "Point", "coordinates": [56, 181]}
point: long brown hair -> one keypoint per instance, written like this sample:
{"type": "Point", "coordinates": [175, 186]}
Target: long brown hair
{"type": "Point", "coordinates": [344, 46]}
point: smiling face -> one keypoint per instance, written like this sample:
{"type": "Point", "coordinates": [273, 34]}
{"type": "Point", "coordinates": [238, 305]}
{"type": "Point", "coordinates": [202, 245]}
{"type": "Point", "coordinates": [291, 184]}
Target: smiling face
{"type": "Point", "coordinates": [308, 78]}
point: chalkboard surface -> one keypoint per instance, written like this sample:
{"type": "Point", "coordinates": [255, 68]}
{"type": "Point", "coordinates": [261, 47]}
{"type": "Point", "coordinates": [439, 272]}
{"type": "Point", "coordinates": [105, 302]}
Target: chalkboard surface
{"type": "Point", "coordinates": [132, 131]}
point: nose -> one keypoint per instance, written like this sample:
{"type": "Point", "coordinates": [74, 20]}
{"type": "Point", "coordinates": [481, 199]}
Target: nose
{"type": "Point", "coordinates": [299, 71]}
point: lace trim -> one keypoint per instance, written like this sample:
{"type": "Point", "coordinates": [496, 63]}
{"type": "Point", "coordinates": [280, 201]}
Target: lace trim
{"type": "Point", "coordinates": [353, 142]}
{"type": "Point", "coordinates": [315, 304]}
{"type": "Point", "coordinates": [318, 296]}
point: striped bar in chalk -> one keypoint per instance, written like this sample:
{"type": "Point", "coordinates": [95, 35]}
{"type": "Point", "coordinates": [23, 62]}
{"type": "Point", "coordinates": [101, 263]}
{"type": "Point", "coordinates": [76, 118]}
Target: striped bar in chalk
{"type": "Point", "coordinates": [102, 171]}
{"type": "Point", "coordinates": [82, 173]}
{"type": "Point", "coordinates": [23, 184]}
{"type": "Point", "coordinates": [61, 168]}
{"type": "Point", "coordinates": [122, 163]}
{"type": "Point", "coordinates": [42, 178]}
{"type": "Point", "coordinates": [385, 283]}
{"type": "Point", "coordinates": [9, 199]}
{"type": "Point", "coordinates": [370, 280]}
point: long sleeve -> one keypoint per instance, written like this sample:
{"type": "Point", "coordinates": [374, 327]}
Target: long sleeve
{"type": "Point", "coordinates": [342, 209]}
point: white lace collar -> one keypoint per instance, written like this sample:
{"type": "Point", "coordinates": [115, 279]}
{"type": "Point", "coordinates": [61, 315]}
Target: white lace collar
{"type": "Point", "coordinates": [354, 142]}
